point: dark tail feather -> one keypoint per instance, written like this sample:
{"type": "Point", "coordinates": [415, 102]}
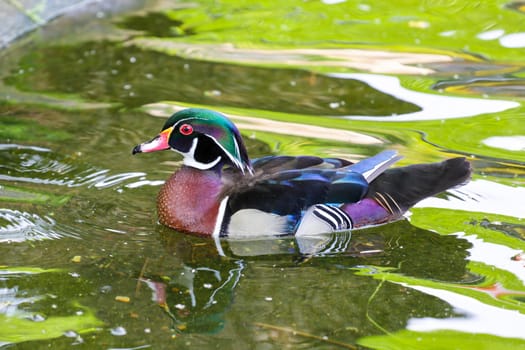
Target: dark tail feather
{"type": "Point", "coordinates": [398, 189]}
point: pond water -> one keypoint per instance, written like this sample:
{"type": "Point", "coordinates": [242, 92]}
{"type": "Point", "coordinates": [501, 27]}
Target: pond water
{"type": "Point", "coordinates": [83, 261]}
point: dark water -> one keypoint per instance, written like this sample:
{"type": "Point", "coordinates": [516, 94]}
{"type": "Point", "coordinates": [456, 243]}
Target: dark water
{"type": "Point", "coordinates": [84, 261]}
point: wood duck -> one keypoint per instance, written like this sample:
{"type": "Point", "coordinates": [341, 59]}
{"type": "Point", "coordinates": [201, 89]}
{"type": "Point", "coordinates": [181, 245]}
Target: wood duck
{"type": "Point", "coordinates": [218, 191]}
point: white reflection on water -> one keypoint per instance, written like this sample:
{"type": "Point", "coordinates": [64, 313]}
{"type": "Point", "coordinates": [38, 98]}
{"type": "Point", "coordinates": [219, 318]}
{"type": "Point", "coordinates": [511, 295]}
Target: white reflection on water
{"type": "Point", "coordinates": [145, 183]}
{"type": "Point", "coordinates": [496, 255]}
{"type": "Point", "coordinates": [510, 143]}
{"type": "Point", "coordinates": [432, 106]}
{"type": "Point", "coordinates": [491, 34]}
{"type": "Point", "coordinates": [478, 317]}
{"type": "Point", "coordinates": [513, 41]}
{"type": "Point", "coordinates": [482, 196]}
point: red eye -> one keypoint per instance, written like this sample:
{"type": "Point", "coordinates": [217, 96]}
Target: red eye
{"type": "Point", "coordinates": [186, 129]}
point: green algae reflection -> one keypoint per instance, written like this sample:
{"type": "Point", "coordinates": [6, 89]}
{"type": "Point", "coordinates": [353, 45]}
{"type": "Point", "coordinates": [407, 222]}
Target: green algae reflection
{"type": "Point", "coordinates": [29, 305]}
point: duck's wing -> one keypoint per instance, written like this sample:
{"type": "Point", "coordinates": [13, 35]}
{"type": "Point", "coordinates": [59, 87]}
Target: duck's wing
{"type": "Point", "coordinates": [287, 185]}
{"type": "Point", "coordinates": [282, 188]}
{"type": "Point", "coordinates": [273, 199]}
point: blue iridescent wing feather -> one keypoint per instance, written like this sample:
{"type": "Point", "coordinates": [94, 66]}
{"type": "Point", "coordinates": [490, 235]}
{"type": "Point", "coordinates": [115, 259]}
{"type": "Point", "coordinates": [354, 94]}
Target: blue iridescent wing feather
{"type": "Point", "coordinates": [288, 185]}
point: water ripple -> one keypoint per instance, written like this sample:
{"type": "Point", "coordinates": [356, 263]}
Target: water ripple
{"type": "Point", "coordinates": [117, 179]}
{"type": "Point", "coordinates": [8, 146]}
{"type": "Point", "coordinates": [11, 301]}
{"type": "Point", "coordinates": [18, 226]}
{"type": "Point", "coordinates": [38, 165]}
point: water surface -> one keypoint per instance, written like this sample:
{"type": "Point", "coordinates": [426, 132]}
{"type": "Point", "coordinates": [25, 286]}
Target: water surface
{"type": "Point", "coordinates": [84, 261]}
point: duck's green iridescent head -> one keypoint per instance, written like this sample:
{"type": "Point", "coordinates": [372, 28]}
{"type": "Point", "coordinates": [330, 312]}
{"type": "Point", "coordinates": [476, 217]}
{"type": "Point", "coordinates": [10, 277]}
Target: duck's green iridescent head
{"type": "Point", "coordinates": [206, 139]}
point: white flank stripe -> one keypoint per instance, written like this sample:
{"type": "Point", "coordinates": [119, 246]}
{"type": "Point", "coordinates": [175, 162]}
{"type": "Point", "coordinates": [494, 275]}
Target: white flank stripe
{"type": "Point", "coordinates": [220, 217]}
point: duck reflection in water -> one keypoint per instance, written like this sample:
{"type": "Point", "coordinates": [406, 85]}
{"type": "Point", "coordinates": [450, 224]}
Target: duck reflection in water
{"type": "Point", "coordinates": [200, 287]}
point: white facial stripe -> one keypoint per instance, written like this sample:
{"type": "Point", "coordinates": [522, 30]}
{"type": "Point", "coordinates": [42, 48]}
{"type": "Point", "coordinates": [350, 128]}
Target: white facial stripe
{"type": "Point", "coordinates": [191, 152]}
{"type": "Point", "coordinates": [189, 158]}
{"type": "Point", "coordinates": [234, 160]}
{"type": "Point", "coordinates": [183, 120]}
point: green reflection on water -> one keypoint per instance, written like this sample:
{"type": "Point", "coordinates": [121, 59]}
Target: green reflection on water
{"type": "Point", "coordinates": [39, 304]}
{"type": "Point", "coordinates": [440, 340]}
{"type": "Point", "coordinates": [410, 26]}
{"type": "Point", "coordinates": [108, 72]}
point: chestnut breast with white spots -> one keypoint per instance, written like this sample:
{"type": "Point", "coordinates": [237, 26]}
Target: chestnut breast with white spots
{"type": "Point", "coordinates": [188, 201]}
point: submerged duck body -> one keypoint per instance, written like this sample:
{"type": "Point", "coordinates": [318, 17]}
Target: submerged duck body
{"type": "Point", "coordinates": [218, 191]}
